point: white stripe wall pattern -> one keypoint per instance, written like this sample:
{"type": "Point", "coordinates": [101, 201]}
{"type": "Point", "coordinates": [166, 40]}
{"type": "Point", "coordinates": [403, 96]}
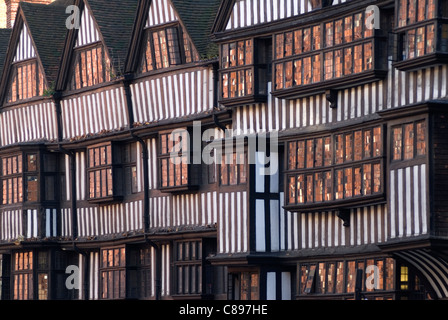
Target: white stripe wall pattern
{"type": "Point", "coordinates": [184, 209]}
{"type": "Point", "coordinates": [11, 224]}
{"type": "Point", "coordinates": [94, 113]}
{"type": "Point", "coordinates": [172, 96]}
{"type": "Point", "coordinates": [368, 225]}
{"type": "Point", "coordinates": [247, 13]}
{"type": "Point", "coordinates": [25, 48]}
{"type": "Point", "coordinates": [408, 202]}
{"type": "Point", "coordinates": [94, 277]}
{"type": "Point", "coordinates": [232, 222]}
{"type": "Point", "coordinates": [87, 32]}
{"type": "Point", "coordinates": [28, 123]}
{"type": "Point", "coordinates": [166, 267]}
{"type": "Point", "coordinates": [111, 219]}
{"type": "Point", "coordinates": [160, 12]}
{"type": "Point", "coordinates": [66, 222]}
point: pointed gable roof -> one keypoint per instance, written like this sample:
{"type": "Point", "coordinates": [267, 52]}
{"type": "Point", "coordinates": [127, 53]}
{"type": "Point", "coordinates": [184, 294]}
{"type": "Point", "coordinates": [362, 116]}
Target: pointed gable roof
{"type": "Point", "coordinates": [115, 20]}
{"type": "Point", "coordinates": [48, 30]}
{"type": "Point", "coordinates": [5, 35]}
{"type": "Point", "coordinates": [198, 17]}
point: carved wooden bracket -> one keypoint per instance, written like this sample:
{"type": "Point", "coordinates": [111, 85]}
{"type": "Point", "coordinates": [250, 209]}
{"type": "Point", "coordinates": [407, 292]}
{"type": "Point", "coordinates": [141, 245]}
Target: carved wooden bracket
{"type": "Point", "coordinates": [344, 215]}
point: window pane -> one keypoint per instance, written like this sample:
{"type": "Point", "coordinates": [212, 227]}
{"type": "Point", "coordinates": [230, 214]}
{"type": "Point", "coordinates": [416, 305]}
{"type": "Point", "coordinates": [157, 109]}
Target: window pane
{"type": "Point", "coordinates": [420, 41]}
{"type": "Point", "coordinates": [376, 178]}
{"type": "Point", "coordinates": [377, 143]}
{"type": "Point", "coordinates": [306, 39]}
{"type": "Point", "coordinates": [233, 82]}
{"type": "Point", "coordinates": [249, 52]}
{"type": "Point", "coordinates": [411, 11]}
{"type": "Point", "coordinates": [348, 29]}
{"type": "Point", "coordinates": [225, 85]}
{"type": "Point", "coordinates": [329, 65]}
{"type": "Point", "coordinates": [367, 144]}
{"type": "Point", "coordinates": [421, 138]}
{"type": "Point", "coordinates": [358, 145]}
{"type": "Point", "coordinates": [316, 38]}
{"type": "Point", "coordinates": [328, 186]}
{"type": "Point", "coordinates": [358, 182]}
{"type": "Point", "coordinates": [279, 46]}
{"type": "Point", "coordinates": [225, 56]}
{"type": "Point", "coordinates": [403, 13]}
{"type": "Point", "coordinates": [300, 188]}
{"type": "Point", "coordinates": [397, 141]}
{"type": "Point", "coordinates": [298, 37]}
{"type": "Point", "coordinates": [309, 188]}
{"type": "Point", "coordinates": [241, 83]}
{"type": "Point", "coordinates": [349, 147]}
{"type": "Point", "coordinates": [430, 43]}
{"type": "Point", "coordinates": [288, 74]}
{"type": "Point", "coordinates": [249, 82]}
{"type": "Point", "coordinates": [340, 277]}
{"type": "Point", "coordinates": [358, 59]}
{"type": "Point", "coordinates": [310, 153]}
{"type": "Point", "coordinates": [409, 141]}
{"type": "Point", "coordinates": [318, 187]}
{"type": "Point", "coordinates": [330, 277]}
{"type": "Point", "coordinates": [241, 53]}
{"type": "Point", "coordinates": [279, 76]}
{"type": "Point", "coordinates": [358, 26]}
{"type": "Point", "coordinates": [307, 70]}
{"type": "Point", "coordinates": [367, 179]}
{"type": "Point", "coordinates": [351, 276]}
{"type": "Point", "coordinates": [339, 149]}
{"type": "Point", "coordinates": [318, 153]}
{"type": "Point", "coordinates": [348, 182]}
{"type": "Point", "coordinates": [32, 188]}
{"type": "Point", "coordinates": [292, 153]}
{"type": "Point", "coordinates": [292, 190]}
{"type": "Point", "coordinates": [327, 151]}
{"type": "Point", "coordinates": [232, 48]}
{"type": "Point", "coordinates": [348, 61]}
{"type": "Point", "coordinates": [329, 34]}
{"type": "Point", "coordinates": [316, 68]}
{"type": "Point", "coordinates": [300, 154]}
{"type": "Point", "coordinates": [297, 72]}
{"type": "Point", "coordinates": [410, 46]}
{"type": "Point", "coordinates": [338, 32]}
{"type": "Point", "coordinates": [339, 192]}
{"type": "Point", "coordinates": [338, 68]}
{"type": "Point", "coordinates": [173, 46]}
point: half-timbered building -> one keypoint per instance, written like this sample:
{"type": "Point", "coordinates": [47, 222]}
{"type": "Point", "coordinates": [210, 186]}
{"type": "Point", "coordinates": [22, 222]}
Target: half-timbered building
{"type": "Point", "coordinates": [234, 149]}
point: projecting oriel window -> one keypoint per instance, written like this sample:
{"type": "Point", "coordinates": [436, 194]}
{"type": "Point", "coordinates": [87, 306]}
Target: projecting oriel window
{"type": "Point", "coordinates": [421, 27]}
{"type": "Point", "coordinates": [329, 51]}
{"type": "Point", "coordinates": [340, 167]}
{"type": "Point", "coordinates": [409, 141]}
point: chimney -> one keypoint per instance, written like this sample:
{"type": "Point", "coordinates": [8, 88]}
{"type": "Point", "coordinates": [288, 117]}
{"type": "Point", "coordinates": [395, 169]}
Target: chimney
{"type": "Point", "coordinates": [11, 10]}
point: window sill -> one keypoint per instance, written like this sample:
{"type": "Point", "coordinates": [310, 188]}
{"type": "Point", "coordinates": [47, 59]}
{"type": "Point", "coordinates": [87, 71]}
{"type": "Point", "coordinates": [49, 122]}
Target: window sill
{"type": "Point", "coordinates": [104, 200]}
{"type": "Point", "coordinates": [337, 204]}
{"type": "Point", "coordinates": [178, 189]}
{"type": "Point", "coordinates": [421, 62]}
{"type": "Point", "coordinates": [339, 83]}
{"type": "Point", "coordinates": [233, 102]}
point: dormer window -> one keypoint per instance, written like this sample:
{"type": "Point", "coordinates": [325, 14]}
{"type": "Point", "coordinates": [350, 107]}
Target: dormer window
{"type": "Point", "coordinates": [27, 81]}
{"type": "Point", "coordinates": [91, 67]}
{"type": "Point", "coordinates": [166, 47]}
{"type": "Point", "coordinates": [422, 27]}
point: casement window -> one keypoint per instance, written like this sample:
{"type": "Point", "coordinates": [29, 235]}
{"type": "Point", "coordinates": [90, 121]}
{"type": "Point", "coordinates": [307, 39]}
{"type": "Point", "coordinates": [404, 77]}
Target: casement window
{"type": "Point", "coordinates": [409, 141]}
{"type": "Point", "coordinates": [91, 66]}
{"type": "Point", "coordinates": [421, 27]}
{"type": "Point", "coordinates": [166, 47]}
{"type": "Point", "coordinates": [12, 179]}
{"type": "Point", "coordinates": [243, 285]}
{"type": "Point", "coordinates": [21, 176]}
{"type": "Point", "coordinates": [243, 74]}
{"type": "Point", "coordinates": [125, 272]}
{"type": "Point", "coordinates": [113, 273]}
{"type": "Point", "coordinates": [175, 161]}
{"type": "Point", "coordinates": [339, 277]}
{"type": "Point", "coordinates": [27, 81]}
{"type": "Point", "coordinates": [233, 168]}
{"type": "Point", "coordinates": [129, 153]}
{"type": "Point", "coordinates": [331, 52]}
{"type": "Point", "coordinates": [22, 274]}
{"type": "Point", "coordinates": [188, 266]}
{"type": "Point", "coordinates": [100, 171]}
{"type": "Point", "coordinates": [341, 167]}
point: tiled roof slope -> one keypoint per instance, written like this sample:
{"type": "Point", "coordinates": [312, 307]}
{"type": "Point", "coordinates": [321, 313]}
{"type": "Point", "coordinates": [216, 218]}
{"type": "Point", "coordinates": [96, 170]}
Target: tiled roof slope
{"type": "Point", "coordinates": [48, 30]}
{"type": "Point", "coordinates": [198, 17]}
{"type": "Point", "coordinates": [115, 19]}
{"type": "Point", "coordinates": [5, 35]}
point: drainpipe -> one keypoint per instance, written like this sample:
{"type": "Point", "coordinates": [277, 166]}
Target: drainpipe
{"type": "Point", "coordinates": [146, 216]}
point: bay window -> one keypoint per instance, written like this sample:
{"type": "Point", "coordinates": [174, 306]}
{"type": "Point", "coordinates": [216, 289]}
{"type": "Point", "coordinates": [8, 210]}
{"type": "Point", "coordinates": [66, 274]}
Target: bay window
{"type": "Point", "coordinates": [243, 74]}
{"type": "Point", "coordinates": [341, 51]}
{"type": "Point", "coordinates": [335, 169]}
{"type": "Point", "coordinates": [421, 26]}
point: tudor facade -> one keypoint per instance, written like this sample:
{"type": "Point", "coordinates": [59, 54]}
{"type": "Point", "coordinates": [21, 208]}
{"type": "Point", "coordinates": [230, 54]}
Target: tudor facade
{"type": "Point", "coordinates": [87, 142]}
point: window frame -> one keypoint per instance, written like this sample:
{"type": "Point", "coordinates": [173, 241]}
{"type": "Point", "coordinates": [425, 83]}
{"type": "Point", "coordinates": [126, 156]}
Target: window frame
{"type": "Point", "coordinates": [39, 81]}
{"type": "Point", "coordinates": [105, 70]}
{"type": "Point", "coordinates": [183, 43]}
{"type": "Point", "coordinates": [115, 170]}
{"type": "Point", "coordinates": [255, 67]}
{"type": "Point", "coordinates": [403, 60]}
{"type": "Point", "coordinates": [417, 158]}
{"type": "Point", "coordinates": [318, 55]}
{"type": "Point", "coordinates": [331, 184]}
{"type": "Point", "coordinates": [112, 269]}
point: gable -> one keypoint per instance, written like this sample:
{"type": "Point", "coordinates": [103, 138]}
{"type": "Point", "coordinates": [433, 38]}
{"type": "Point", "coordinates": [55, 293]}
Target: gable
{"type": "Point", "coordinates": [160, 12]}
{"type": "Point", "coordinates": [88, 31]}
{"type": "Point", "coordinates": [25, 47]}
{"type": "Point", "coordinates": [246, 13]}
